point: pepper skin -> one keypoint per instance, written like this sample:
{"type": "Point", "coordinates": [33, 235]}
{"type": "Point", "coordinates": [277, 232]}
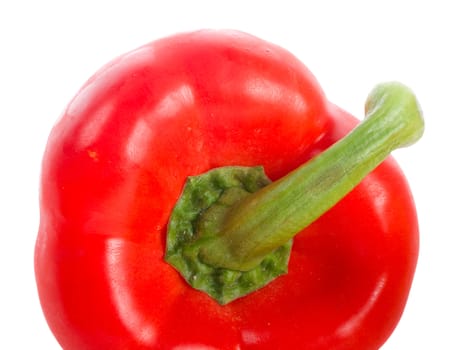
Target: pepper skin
{"type": "Point", "coordinates": [115, 165]}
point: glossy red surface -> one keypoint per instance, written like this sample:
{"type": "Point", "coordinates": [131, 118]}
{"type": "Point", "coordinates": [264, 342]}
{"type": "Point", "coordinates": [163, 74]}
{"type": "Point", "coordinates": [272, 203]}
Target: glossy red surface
{"type": "Point", "coordinates": [116, 163]}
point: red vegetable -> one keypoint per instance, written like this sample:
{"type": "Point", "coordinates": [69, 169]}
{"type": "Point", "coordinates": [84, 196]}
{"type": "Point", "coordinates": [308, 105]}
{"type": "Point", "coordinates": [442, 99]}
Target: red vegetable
{"type": "Point", "coordinates": [115, 166]}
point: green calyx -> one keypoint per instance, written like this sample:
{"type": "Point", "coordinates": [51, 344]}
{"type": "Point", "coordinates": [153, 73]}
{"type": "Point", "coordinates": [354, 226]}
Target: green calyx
{"type": "Point", "coordinates": [204, 203]}
{"type": "Point", "coordinates": [231, 231]}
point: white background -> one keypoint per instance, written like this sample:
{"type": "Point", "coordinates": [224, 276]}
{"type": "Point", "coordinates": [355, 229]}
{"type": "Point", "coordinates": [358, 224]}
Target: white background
{"type": "Point", "coordinates": [48, 49]}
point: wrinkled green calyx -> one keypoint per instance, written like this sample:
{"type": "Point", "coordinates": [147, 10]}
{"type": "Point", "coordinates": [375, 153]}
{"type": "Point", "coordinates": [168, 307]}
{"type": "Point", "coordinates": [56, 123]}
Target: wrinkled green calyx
{"type": "Point", "coordinates": [205, 201]}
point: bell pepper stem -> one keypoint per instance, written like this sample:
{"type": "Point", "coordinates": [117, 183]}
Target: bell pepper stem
{"type": "Point", "coordinates": [267, 219]}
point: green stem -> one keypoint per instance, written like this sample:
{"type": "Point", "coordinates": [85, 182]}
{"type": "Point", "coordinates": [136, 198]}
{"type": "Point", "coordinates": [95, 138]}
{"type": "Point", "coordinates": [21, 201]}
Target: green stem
{"type": "Point", "coordinates": [270, 217]}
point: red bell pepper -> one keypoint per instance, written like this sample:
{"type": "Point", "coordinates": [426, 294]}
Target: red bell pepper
{"type": "Point", "coordinates": [150, 121]}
